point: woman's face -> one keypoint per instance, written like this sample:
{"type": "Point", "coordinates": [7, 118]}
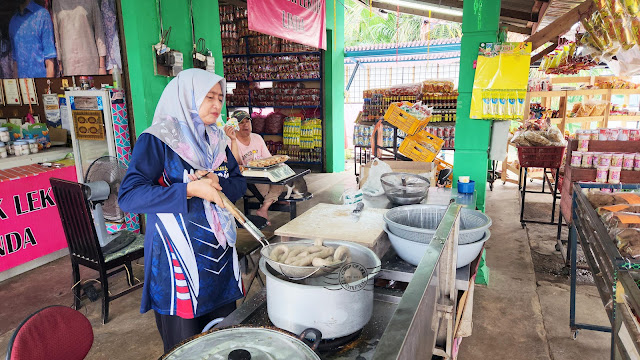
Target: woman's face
{"type": "Point", "coordinates": [211, 105]}
{"type": "Point", "coordinates": [245, 127]}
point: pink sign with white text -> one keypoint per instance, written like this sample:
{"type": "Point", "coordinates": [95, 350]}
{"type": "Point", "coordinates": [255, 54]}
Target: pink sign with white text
{"type": "Point", "coordinates": [300, 21]}
{"type": "Point", "coordinates": [30, 225]}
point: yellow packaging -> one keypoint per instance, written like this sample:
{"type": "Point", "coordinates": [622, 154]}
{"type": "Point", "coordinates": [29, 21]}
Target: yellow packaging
{"type": "Point", "coordinates": [632, 7]}
{"type": "Point", "coordinates": [601, 4]}
{"type": "Point", "coordinates": [627, 39]}
{"type": "Point", "coordinates": [499, 67]}
{"type": "Point", "coordinates": [635, 28]}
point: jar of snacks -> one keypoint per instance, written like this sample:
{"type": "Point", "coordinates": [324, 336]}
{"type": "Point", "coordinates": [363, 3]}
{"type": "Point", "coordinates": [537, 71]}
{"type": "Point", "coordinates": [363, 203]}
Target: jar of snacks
{"type": "Point", "coordinates": [601, 173]}
{"type": "Point", "coordinates": [587, 160]}
{"type": "Point", "coordinates": [3, 150]}
{"type": "Point", "coordinates": [614, 175]}
{"type": "Point", "coordinates": [576, 158]}
{"type": "Point", "coordinates": [4, 134]}
{"type": "Point", "coordinates": [617, 159]}
{"type": "Point", "coordinates": [628, 162]}
{"type": "Point", "coordinates": [20, 148]}
{"type": "Point", "coordinates": [33, 146]}
{"type": "Point", "coordinates": [583, 142]}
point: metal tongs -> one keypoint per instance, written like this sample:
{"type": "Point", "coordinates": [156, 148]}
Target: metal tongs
{"type": "Point", "coordinates": [242, 219]}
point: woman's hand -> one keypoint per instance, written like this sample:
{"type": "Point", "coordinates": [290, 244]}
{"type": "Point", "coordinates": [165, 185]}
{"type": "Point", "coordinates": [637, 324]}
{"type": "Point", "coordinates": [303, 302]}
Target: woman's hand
{"type": "Point", "coordinates": [199, 174]}
{"type": "Point", "coordinates": [231, 132]}
{"type": "Point", "coordinates": [206, 189]}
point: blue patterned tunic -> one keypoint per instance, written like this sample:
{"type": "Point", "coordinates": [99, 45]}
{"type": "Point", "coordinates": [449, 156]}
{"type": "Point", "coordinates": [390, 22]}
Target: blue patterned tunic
{"type": "Point", "coordinates": [32, 41]}
{"type": "Point", "coordinates": [188, 273]}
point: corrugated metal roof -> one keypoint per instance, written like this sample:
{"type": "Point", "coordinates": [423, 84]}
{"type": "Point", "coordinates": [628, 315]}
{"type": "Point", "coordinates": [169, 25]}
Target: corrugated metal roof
{"type": "Point", "coordinates": [412, 44]}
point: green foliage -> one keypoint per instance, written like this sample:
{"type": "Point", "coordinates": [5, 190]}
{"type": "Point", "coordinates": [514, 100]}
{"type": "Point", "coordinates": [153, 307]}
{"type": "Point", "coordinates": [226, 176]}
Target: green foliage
{"type": "Point", "coordinates": [363, 27]}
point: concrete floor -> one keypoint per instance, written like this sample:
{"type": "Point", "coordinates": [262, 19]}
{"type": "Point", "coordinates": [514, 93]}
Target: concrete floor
{"type": "Point", "coordinates": [522, 314]}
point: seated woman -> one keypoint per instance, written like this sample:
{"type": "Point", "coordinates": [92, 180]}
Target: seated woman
{"type": "Point", "coordinates": [252, 147]}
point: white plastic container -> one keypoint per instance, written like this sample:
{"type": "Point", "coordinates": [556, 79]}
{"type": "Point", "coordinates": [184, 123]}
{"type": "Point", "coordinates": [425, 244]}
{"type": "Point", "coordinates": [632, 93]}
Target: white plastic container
{"type": "Point", "coordinates": [4, 134]}
{"type": "Point", "coordinates": [33, 146]}
{"type": "Point", "coordinates": [20, 148]}
{"type": "Point", "coordinates": [3, 150]}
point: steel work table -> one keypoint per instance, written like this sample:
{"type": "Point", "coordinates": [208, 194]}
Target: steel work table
{"type": "Point", "coordinates": [427, 304]}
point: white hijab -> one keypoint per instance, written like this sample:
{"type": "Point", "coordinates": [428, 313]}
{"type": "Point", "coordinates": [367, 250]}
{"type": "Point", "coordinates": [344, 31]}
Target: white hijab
{"type": "Point", "coordinates": [177, 124]}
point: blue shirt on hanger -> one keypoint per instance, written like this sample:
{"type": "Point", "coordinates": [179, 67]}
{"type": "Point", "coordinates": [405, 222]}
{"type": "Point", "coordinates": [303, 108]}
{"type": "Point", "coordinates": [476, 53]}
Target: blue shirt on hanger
{"type": "Point", "coordinates": [32, 40]}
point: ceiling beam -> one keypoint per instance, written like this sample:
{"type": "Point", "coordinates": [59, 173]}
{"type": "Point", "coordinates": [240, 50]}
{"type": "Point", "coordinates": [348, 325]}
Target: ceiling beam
{"type": "Point", "coordinates": [425, 13]}
{"type": "Point", "coordinates": [541, 13]}
{"type": "Point", "coordinates": [518, 15]}
{"type": "Point", "coordinates": [505, 13]}
{"type": "Point", "coordinates": [561, 25]}
{"type": "Point", "coordinates": [517, 29]}
{"type": "Point", "coordinates": [543, 52]}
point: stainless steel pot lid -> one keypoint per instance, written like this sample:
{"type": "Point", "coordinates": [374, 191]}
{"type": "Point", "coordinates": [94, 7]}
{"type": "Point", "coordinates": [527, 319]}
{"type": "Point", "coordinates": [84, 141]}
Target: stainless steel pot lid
{"type": "Point", "coordinates": [229, 343]}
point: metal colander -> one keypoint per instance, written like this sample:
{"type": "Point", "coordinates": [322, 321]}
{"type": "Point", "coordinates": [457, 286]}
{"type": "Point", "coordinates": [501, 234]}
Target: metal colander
{"type": "Point", "coordinates": [404, 188]}
{"type": "Point", "coordinates": [419, 223]}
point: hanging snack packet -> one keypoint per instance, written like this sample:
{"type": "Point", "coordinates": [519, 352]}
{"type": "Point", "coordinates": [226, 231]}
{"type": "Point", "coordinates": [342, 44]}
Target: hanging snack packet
{"type": "Point", "coordinates": [512, 109]}
{"type": "Point", "coordinates": [632, 7]}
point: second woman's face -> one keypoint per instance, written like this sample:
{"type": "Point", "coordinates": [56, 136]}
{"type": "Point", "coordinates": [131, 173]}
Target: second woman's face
{"type": "Point", "coordinates": [211, 105]}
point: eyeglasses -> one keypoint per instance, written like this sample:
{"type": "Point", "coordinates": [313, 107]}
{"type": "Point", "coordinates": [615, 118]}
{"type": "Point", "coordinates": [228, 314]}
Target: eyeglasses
{"type": "Point", "coordinates": [245, 121]}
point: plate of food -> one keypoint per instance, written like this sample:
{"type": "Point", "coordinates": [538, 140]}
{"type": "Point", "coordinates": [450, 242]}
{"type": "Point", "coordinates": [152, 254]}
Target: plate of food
{"type": "Point", "coordinates": [268, 162]}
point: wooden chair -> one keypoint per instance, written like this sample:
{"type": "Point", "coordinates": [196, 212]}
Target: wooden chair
{"type": "Point", "coordinates": [84, 247]}
{"type": "Point", "coordinates": [54, 332]}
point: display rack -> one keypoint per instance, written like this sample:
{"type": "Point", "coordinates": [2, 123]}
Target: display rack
{"type": "Point", "coordinates": [563, 95]}
{"type": "Point", "coordinates": [611, 271]}
{"type": "Point", "coordinates": [573, 175]}
{"type": "Point", "coordinates": [314, 164]}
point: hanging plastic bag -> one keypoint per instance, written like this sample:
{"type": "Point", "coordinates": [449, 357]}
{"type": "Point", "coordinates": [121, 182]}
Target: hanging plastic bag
{"type": "Point", "coordinates": [373, 186]}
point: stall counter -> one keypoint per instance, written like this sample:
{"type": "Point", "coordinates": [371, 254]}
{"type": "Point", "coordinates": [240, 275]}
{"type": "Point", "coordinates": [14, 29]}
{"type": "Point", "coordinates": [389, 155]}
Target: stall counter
{"type": "Point", "coordinates": [31, 232]}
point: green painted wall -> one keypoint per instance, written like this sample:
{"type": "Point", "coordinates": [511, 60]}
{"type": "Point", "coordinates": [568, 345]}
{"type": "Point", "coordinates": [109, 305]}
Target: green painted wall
{"type": "Point", "coordinates": [479, 24]}
{"type": "Point", "coordinates": [334, 88]}
{"type": "Point", "coordinates": [142, 31]}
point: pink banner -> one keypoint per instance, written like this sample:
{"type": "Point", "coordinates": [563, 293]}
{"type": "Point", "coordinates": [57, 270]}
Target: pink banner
{"type": "Point", "coordinates": [300, 21]}
{"type": "Point", "coordinates": [30, 226]}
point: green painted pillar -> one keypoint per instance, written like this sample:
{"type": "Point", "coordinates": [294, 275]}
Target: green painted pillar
{"type": "Point", "coordinates": [334, 88]}
{"type": "Point", "coordinates": [480, 21]}
{"type": "Point", "coordinates": [142, 31]}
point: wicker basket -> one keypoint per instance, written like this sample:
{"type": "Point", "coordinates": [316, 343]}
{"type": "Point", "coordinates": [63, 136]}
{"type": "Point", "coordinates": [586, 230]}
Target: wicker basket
{"type": "Point", "coordinates": [549, 157]}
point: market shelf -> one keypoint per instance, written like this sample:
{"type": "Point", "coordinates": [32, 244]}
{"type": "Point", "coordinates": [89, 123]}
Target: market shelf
{"type": "Point", "coordinates": [273, 54]}
{"type": "Point", "coordinates": [588, 92]}
{"type": "Point", "coordinates": [547, 93]}
{"type": "Point", "coordinates": [584, 119]}
{"type": "Point", "coordinates": [265, 134]}
{"type": "Point", "coordinates": [625, 91]}
{"type": "Point", "coordinates": [274, 80]}
{"type": "Point", "coordinates": [624, 117]}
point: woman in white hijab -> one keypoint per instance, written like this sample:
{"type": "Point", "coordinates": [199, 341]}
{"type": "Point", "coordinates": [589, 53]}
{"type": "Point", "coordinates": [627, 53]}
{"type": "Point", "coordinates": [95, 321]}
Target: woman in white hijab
{"type": "Point", "coordinates": [178, 166]}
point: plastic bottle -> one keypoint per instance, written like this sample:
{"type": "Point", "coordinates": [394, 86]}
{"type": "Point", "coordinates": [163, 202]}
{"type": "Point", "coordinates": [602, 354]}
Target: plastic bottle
{"type": "Point", "coordinates": [117, 77]}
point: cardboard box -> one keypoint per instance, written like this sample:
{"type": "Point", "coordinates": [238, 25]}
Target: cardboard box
{"type": "Point", "coordinates": [411, 167]}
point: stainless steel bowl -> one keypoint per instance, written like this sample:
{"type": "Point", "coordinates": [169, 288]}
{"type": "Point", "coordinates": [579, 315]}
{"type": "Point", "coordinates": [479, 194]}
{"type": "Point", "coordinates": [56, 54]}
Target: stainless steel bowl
{"type": "Point", "coordinates": [404, 188]}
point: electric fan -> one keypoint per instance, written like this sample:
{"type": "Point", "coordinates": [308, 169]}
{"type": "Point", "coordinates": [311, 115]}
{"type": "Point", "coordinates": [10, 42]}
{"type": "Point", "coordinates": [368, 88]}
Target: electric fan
{"type": "Point", "coordinates": [103, 180]}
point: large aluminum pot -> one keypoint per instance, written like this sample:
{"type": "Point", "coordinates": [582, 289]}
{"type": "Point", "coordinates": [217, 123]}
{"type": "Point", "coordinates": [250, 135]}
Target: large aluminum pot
{"type": "Point", "coordinates": [337, 304]}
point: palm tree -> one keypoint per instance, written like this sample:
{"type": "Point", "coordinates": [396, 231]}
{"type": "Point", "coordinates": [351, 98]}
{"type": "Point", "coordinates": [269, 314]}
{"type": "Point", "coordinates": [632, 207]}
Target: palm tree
{"type": "Point", "coordinates": [363, 27]}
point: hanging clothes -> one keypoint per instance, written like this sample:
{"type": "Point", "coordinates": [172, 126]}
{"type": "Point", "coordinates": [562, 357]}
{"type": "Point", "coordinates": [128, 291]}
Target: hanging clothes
{"type": "Point", "coordinates": [110, 23]}
{"type": "Point", "coordinates": [79, 36]}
